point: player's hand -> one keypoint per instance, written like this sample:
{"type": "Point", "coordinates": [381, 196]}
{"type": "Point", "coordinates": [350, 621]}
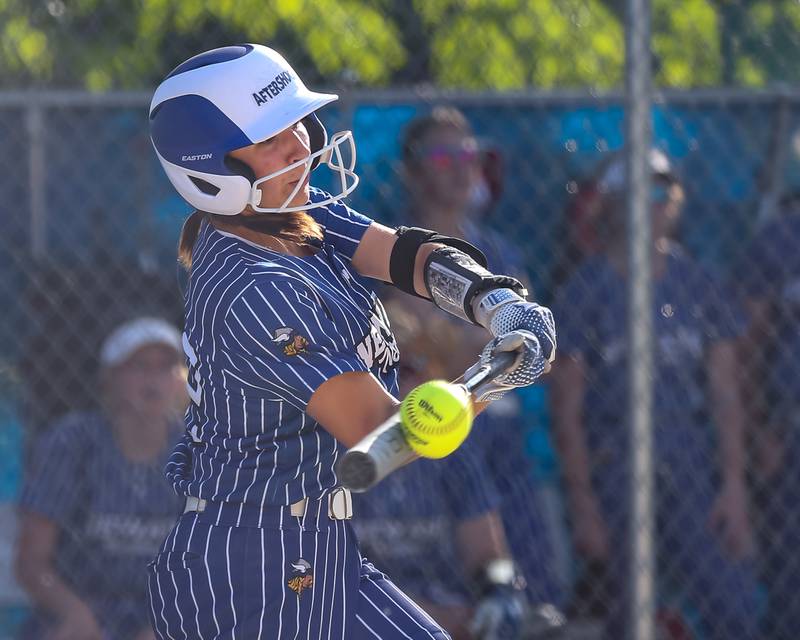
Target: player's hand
{"type": "Point", "coordinates": [589, 528]}
{"type": "Point", "coordinates": [529, 365]}
{"type": "Point", "coordinates": [527, 316]}
{"type": "Point", "coordinates": [499, 615]}
{"type": "Point", "coordinates": [78, 624]}
{"type": "Point", "coordinates": [730, 519]}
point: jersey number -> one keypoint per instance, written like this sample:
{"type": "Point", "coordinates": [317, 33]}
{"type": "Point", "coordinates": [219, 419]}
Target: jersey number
{"type": "Point", "coordinates": [193, 386]}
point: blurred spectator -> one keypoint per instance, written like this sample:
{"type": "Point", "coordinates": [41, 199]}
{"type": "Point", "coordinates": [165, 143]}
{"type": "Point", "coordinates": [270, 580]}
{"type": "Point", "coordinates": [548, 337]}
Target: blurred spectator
{"type": "Point", "coordinates": [95, 507]}
{"type": "Point", "coordinates": [769, 277]}
{"type": "Point", "coordinates": [403, 521]}
{"type": "Point", "coordinates": [453, 185]}
{"type": "Point", "coordinates": [580, 237]}
{"type": "Point", "coordinates": [449, 192]}
{"type": "Point", "coordinates": [703, 527]}
{"type": "Point", "coordinates": [69, 308]}
{"type": "Point", "coordinates": [499, 440]}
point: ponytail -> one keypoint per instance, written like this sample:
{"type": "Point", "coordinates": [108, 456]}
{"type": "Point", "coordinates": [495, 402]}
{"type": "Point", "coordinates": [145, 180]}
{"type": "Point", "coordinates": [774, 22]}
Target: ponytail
{"type": "Point", "coordinates": [296, 226]}
{"type": "Point", "coordinates": [189, 233]}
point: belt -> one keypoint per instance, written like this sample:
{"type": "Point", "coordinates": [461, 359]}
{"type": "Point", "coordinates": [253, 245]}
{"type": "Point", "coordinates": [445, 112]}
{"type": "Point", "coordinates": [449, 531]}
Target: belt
{"type": "Point", "coordinates": [340, 505]}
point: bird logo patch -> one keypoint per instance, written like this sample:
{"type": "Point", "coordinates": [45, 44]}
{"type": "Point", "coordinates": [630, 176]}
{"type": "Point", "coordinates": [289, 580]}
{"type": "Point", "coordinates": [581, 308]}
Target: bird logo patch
{"type": "Point", "coordinates": [302, 578]}
{"type": "Point", "coordinates": [290, 341]}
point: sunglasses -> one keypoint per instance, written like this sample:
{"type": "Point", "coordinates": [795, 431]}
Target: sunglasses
{"type": "Point", "coordinates": [446, 157]}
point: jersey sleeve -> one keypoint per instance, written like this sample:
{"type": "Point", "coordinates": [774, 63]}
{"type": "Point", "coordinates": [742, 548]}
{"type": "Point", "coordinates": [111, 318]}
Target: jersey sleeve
{"type": "Point", "coordinates": [53, 479]}
{"type": "Point", "coordinates": [342, 226]}
{"type": "Point", "coordinates": [285, 340]}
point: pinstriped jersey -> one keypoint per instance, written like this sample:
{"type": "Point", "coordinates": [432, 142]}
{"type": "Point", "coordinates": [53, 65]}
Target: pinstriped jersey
{"type": "Point", "coordinates": [263, 331]}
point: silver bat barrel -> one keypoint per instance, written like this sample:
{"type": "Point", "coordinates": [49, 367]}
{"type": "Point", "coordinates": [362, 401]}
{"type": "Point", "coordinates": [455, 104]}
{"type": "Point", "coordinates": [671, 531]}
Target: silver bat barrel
{"type": "Point", "coordinates": [385, 449]}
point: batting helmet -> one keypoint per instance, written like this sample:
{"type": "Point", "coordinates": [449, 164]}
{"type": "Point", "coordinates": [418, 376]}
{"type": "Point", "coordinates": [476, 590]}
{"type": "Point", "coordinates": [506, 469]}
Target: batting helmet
{"type": "Point", "coordinates": [229, 98]}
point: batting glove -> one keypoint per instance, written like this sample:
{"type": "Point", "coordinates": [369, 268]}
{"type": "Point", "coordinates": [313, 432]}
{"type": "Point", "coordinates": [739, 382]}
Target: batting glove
{"type": "Point", "coordinates": [529, 365]}
{"type": "Point", "coordinates": [527, 316]}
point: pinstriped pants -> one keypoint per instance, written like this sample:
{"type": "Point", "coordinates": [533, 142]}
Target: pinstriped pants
{"type": "Point", "coordinates": [293, 578]}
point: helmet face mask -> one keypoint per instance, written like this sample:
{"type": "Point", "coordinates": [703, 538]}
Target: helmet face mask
{"type": "Point", "coordinates": [332, 156]}
{"type": "Point", "coordinates": [227, 99]}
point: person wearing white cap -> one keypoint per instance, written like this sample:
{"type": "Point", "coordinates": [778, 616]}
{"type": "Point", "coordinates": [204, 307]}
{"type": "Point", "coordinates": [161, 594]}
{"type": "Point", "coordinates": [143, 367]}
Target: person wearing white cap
{"type": "Point", "coordinates": [291, 359]}
{"type": "Point", "coordinates": [94, 506]}
{"type": "Point", "coordinates": [704, 532]}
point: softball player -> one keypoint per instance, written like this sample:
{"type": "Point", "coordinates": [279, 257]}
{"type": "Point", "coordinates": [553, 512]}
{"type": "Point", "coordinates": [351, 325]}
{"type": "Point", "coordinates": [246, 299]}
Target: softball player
{"type": "Point", "coordinates": [290, 356]}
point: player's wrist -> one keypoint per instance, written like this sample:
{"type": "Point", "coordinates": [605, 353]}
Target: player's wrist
{"type": "Point", "coordinates": [486, 305]}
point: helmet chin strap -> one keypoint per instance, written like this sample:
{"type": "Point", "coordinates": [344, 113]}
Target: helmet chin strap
{"type": "Point", "coordinates": [331, 155]}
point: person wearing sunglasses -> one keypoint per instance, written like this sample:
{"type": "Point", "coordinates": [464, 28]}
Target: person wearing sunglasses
{"type": "Point", "coordinates": [445, 175]}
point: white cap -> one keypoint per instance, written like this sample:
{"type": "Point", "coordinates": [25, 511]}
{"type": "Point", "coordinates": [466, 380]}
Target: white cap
{"type": "Point", "coordinates": [135, 334]}
{"type": "Point", "coordinates": [612, 179]}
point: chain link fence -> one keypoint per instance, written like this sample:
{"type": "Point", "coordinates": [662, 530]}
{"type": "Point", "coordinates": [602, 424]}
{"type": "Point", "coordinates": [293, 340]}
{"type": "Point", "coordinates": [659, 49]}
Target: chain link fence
{"type": "Point", "coordinates": [89, 242]}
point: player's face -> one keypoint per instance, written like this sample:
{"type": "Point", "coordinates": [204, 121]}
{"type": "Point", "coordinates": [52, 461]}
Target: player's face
{"type": "Point", "coordinates": [264, 158]}
{"type": "Point", "coordinates": [447, 167]}
{"type": "Point", "coordinates": [150, 382]}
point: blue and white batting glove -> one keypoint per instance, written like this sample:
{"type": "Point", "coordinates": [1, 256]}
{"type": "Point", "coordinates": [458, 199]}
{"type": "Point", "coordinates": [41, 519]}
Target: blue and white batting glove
{"type": "Point", "coordinates": [527, 316]}
{"type": "Point", "coordinates": [502, 311]}
{"type": "Point", "coordinates": [528, 366]}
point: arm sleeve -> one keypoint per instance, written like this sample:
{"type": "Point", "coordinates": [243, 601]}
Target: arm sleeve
{"type": "Point", "coordinates": [342, 226]}
{"type": "Point", "coordinates": [53, 479]}
{"type": "Point", "coordinates": [287, 342]}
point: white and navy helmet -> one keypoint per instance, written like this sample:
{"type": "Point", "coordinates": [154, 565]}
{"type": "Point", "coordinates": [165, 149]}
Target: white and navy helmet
{"type": "Point", "coordinates": [229, 98]}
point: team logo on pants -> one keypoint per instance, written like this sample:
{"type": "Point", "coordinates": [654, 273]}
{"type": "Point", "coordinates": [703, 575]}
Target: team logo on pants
{"type": "Point", "coordinates": [291, 341]}
{"type": "Point", "coordinates": [303, 577]}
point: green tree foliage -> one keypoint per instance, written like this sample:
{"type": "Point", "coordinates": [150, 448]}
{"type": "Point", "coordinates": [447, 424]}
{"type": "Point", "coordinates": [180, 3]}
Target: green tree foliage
{"type": "Point", "coordinates": [465, 44]}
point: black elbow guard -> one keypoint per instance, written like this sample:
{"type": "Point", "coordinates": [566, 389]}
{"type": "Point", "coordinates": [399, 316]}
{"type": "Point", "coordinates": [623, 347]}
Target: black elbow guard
{"type": "Point", "coordinates": [404, 254]}
{"type": "Point", "coordinates": [453, 280]}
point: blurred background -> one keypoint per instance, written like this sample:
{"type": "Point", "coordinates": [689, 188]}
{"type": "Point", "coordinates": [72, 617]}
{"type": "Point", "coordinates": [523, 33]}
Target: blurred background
{"type": "Point", "coordinates": [90, 226]}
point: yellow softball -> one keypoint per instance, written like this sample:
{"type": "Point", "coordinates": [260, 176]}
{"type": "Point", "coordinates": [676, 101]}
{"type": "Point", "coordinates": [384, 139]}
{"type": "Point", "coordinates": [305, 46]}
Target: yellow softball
{"type": "Point", "coordinates": [436, 417]}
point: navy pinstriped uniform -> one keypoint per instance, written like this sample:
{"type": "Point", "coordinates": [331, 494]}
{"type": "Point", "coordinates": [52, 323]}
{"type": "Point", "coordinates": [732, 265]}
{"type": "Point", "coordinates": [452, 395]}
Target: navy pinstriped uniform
{"type": "Point", "coordinates": [263, 331]}
{"type": "Point", "coordinates": [111, 513]}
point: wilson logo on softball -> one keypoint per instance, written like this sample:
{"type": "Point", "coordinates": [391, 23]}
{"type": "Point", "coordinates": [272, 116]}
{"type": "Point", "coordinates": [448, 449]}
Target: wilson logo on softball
{"type": "Point", "coordinates": [291, 341]}
{"type": "Point", "coordinates": [427, 407]}
{"type": "Point", "coordinates": [303, 577]}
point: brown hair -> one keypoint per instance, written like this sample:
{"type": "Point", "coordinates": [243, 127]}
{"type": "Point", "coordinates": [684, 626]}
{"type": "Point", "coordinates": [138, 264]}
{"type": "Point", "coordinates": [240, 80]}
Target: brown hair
{"type": "Point", "coordinates": [439, 117]}
{"type": "Point", "coordinates": [297, 226]}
